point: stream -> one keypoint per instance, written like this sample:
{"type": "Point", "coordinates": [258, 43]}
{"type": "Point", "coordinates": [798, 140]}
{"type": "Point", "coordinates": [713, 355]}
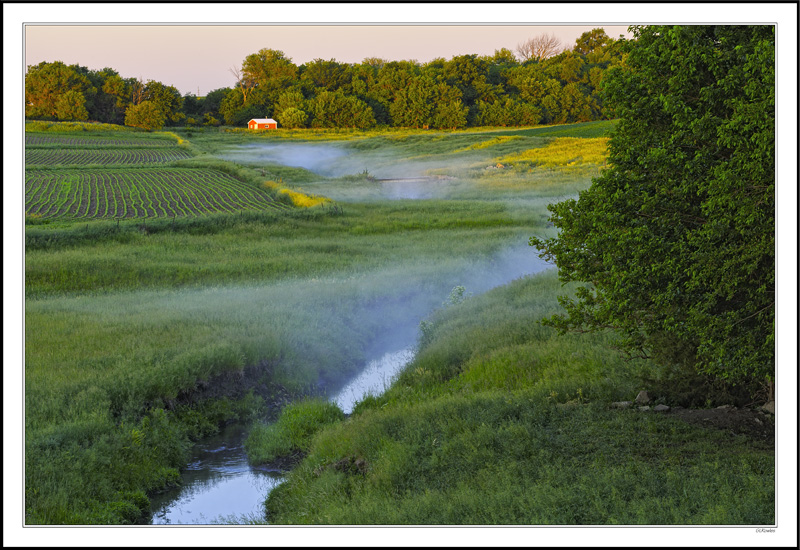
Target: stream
{"type": "Point", "coordinates": [218, 476]}
{"type": "Point", "coordinates": [219, 486]}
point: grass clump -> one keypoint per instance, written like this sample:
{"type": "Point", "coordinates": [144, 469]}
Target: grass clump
{"type": "Point", "coordinates": [293, 431]}
{"type": "Point", "coordinates": [63, 127]}
{"type": "Point", "coordinates": [295, 198]}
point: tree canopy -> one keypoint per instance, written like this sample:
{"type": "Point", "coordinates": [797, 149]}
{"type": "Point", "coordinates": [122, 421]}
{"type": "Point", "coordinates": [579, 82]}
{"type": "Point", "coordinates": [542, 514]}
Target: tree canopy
{"type": "Point", "coordinates": [675, 241]}
{"type": "Point", "coordinates": [466, 90]}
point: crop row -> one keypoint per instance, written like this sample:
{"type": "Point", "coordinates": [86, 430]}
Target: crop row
{"type": "Point", "coordinates": [35, 139]}
{"type": "Point", "coordinates": [139, 193]}
{"type": "Point", "coordinates": [52, 157]}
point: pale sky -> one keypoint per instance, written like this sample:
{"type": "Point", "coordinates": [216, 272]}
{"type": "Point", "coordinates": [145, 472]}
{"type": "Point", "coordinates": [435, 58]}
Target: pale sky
{"type": "Point", "coordinates": [197, 58]}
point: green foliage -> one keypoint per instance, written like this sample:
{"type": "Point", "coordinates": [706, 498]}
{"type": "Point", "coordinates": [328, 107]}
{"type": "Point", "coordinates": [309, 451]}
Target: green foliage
{"type": "Point", "coordinates": [676, 238]}
{"type": "Point", "coordinates": [293, 118]}
{"type": "Point", "coordinates": [292, 432]}
{"type": "Point", "coordinates": [167, 98]}
{"type": "Point", "coordinates": [501, 421]}
{"type": "Point", "coordinates": [147, 115]}
{"type": "Point", "coordinates": [467, 90]}
{"type": "Point", "coordinates": [55, 89]}
{"type": "Point", "coordinates": [72, 106]}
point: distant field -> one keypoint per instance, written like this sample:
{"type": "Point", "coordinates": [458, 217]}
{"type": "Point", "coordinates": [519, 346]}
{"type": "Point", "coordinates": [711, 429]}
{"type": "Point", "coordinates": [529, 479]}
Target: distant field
{"type": "Point", "coordinates": [70, 141]}
{"type": "Point", "coordinates": [120, 175]}
{"type": "Point", "coordinates": [53, 157]}
{"type": "Point", "coordinates": [139, 193]}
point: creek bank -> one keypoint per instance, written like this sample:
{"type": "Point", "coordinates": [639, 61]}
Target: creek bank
{"type": "Point", "coordinates": [219, 484]}
{"type": "Point", "coordinates": [755, 423]}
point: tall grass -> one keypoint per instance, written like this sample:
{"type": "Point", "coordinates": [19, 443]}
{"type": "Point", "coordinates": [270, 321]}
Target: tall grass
{"type": "Point", "coordinates": [500, 421]}
{"type": "Point", "coordinates": [243, 248]}
{"type": "Point", "coordinates": [292, 434]}
{"type": "Point", "coordinates": [124, 324]}
{"type": "Point", "coordinates": [142, 337]}
{"type": "Point", "coordinates": [564, 153]}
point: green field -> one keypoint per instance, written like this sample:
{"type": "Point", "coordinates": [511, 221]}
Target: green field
{"type": "Point", "coordinates": [138, 156]}
{"type": "Point", "coordinates": [141, 193]}
{"type": "Point", "coordinates": [232, 301]}
{"type": "Point", "coordinates": [130, 176]}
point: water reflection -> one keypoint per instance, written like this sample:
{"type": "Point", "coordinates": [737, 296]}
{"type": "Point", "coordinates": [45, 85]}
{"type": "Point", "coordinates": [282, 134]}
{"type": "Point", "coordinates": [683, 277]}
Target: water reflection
{"type": "Point", "coordinates": [218, 480]}
{"type": "Point", "coordinates": [374, 379]}
{"type": "Point", "coordinates": [220, 486]}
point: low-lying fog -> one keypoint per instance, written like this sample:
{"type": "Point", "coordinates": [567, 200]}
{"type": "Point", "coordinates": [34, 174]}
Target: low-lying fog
{"type": "Point", "coordinates": [394, 177]}
{"type": "Point", "coordinates": [323, 159]}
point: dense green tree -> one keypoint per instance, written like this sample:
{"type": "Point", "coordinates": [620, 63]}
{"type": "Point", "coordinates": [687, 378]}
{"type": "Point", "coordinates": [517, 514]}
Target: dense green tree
{"type": "Point", "coordinates": [192, 106]}
{"type": "Point", "coordinates": [504, 57]}
{"type": "Point", "coordinates": [469, 73]}
{"type": "Point", "coordinates": [329, 75]}
{"type": "Point", "coordinates": [450, 114]}
{"type": "Point", "coordinates": [270, 71]}
{"type": "Point", "coordinates": [293, 118]}
{"type": "Point", "coordinates": [290, 99]}
{"type": "Point", "coordinates": [71, 106]}
{"type": "Point", "coordinates": [676, 238]}
{"type": "Point", "coordinates": [336, 110]}
{"type": "Point", "coordinates": [565, 67]}
{"type": "Point", "coordinates": [414, 104]}
{"type": "Point", "coordinates": [212, 101]}
{"type": "Point", "coordinates": [116, 98]}
{"type": "Point", "coordinates": [146, 115]}
{"type": "Point", "coordinates": [392, 77]}
{"type": "Point", "coordinates": [592, 45]}
{"type": "Point", "coordinates": [167, 98]}
{"type": "Point", "coordinates": [510, 112]}
{"type": "Point", "coordinates": [237, 113]}
{"type": "Point", "coordinates": [45, 83]}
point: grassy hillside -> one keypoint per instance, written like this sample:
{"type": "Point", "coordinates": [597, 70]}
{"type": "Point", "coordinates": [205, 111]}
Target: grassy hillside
{"type": "Point", "coordinates": [500, 421]}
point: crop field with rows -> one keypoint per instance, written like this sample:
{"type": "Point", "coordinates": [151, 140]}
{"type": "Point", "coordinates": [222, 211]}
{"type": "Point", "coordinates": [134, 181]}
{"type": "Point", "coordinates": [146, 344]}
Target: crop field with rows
{"type": "Point", "coordinates": [52, 157]}
{"type": "Point", "coordinates": [139, 193]}
{"type": "Point", "coordinates": [118, 175]}
{"type": "Point", "coordinates": [33, 140]}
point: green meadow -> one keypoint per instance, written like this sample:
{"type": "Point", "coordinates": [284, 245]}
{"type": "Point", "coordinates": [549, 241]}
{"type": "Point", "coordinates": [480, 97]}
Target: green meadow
{"type": "Point", "coordinates": [149, 331]}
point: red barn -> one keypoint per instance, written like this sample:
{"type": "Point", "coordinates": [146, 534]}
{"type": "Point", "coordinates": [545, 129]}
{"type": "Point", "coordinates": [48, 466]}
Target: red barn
{"type": "Point", "coordinates": [262, 124]}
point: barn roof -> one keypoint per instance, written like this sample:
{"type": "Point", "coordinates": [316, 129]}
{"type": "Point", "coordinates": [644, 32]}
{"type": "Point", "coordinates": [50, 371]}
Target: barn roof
{"type": "Point", "coordinates": [263, 120]}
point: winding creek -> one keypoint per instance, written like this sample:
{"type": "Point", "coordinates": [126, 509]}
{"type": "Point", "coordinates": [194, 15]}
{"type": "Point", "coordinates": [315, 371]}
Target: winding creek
{"type": "Point", "coordinates": [219, 486]}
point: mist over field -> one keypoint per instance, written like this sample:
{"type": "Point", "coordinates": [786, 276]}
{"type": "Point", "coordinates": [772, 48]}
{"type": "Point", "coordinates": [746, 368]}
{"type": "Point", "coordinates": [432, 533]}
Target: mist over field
{"type": "Point", "coordinates": [325, 160]}
{"type": "Point", "coordinates": [329, 325]}
{"type": "Point", "coordinates": [349, 173]}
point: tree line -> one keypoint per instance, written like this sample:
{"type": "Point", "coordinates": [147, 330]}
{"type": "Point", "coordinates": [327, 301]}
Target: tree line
{"type": "Point", "coordinates": [545, 85]}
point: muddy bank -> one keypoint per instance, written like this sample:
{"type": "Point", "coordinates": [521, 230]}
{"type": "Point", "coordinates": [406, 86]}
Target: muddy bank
{"type": "Point", "coordinates": [235, 385]}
